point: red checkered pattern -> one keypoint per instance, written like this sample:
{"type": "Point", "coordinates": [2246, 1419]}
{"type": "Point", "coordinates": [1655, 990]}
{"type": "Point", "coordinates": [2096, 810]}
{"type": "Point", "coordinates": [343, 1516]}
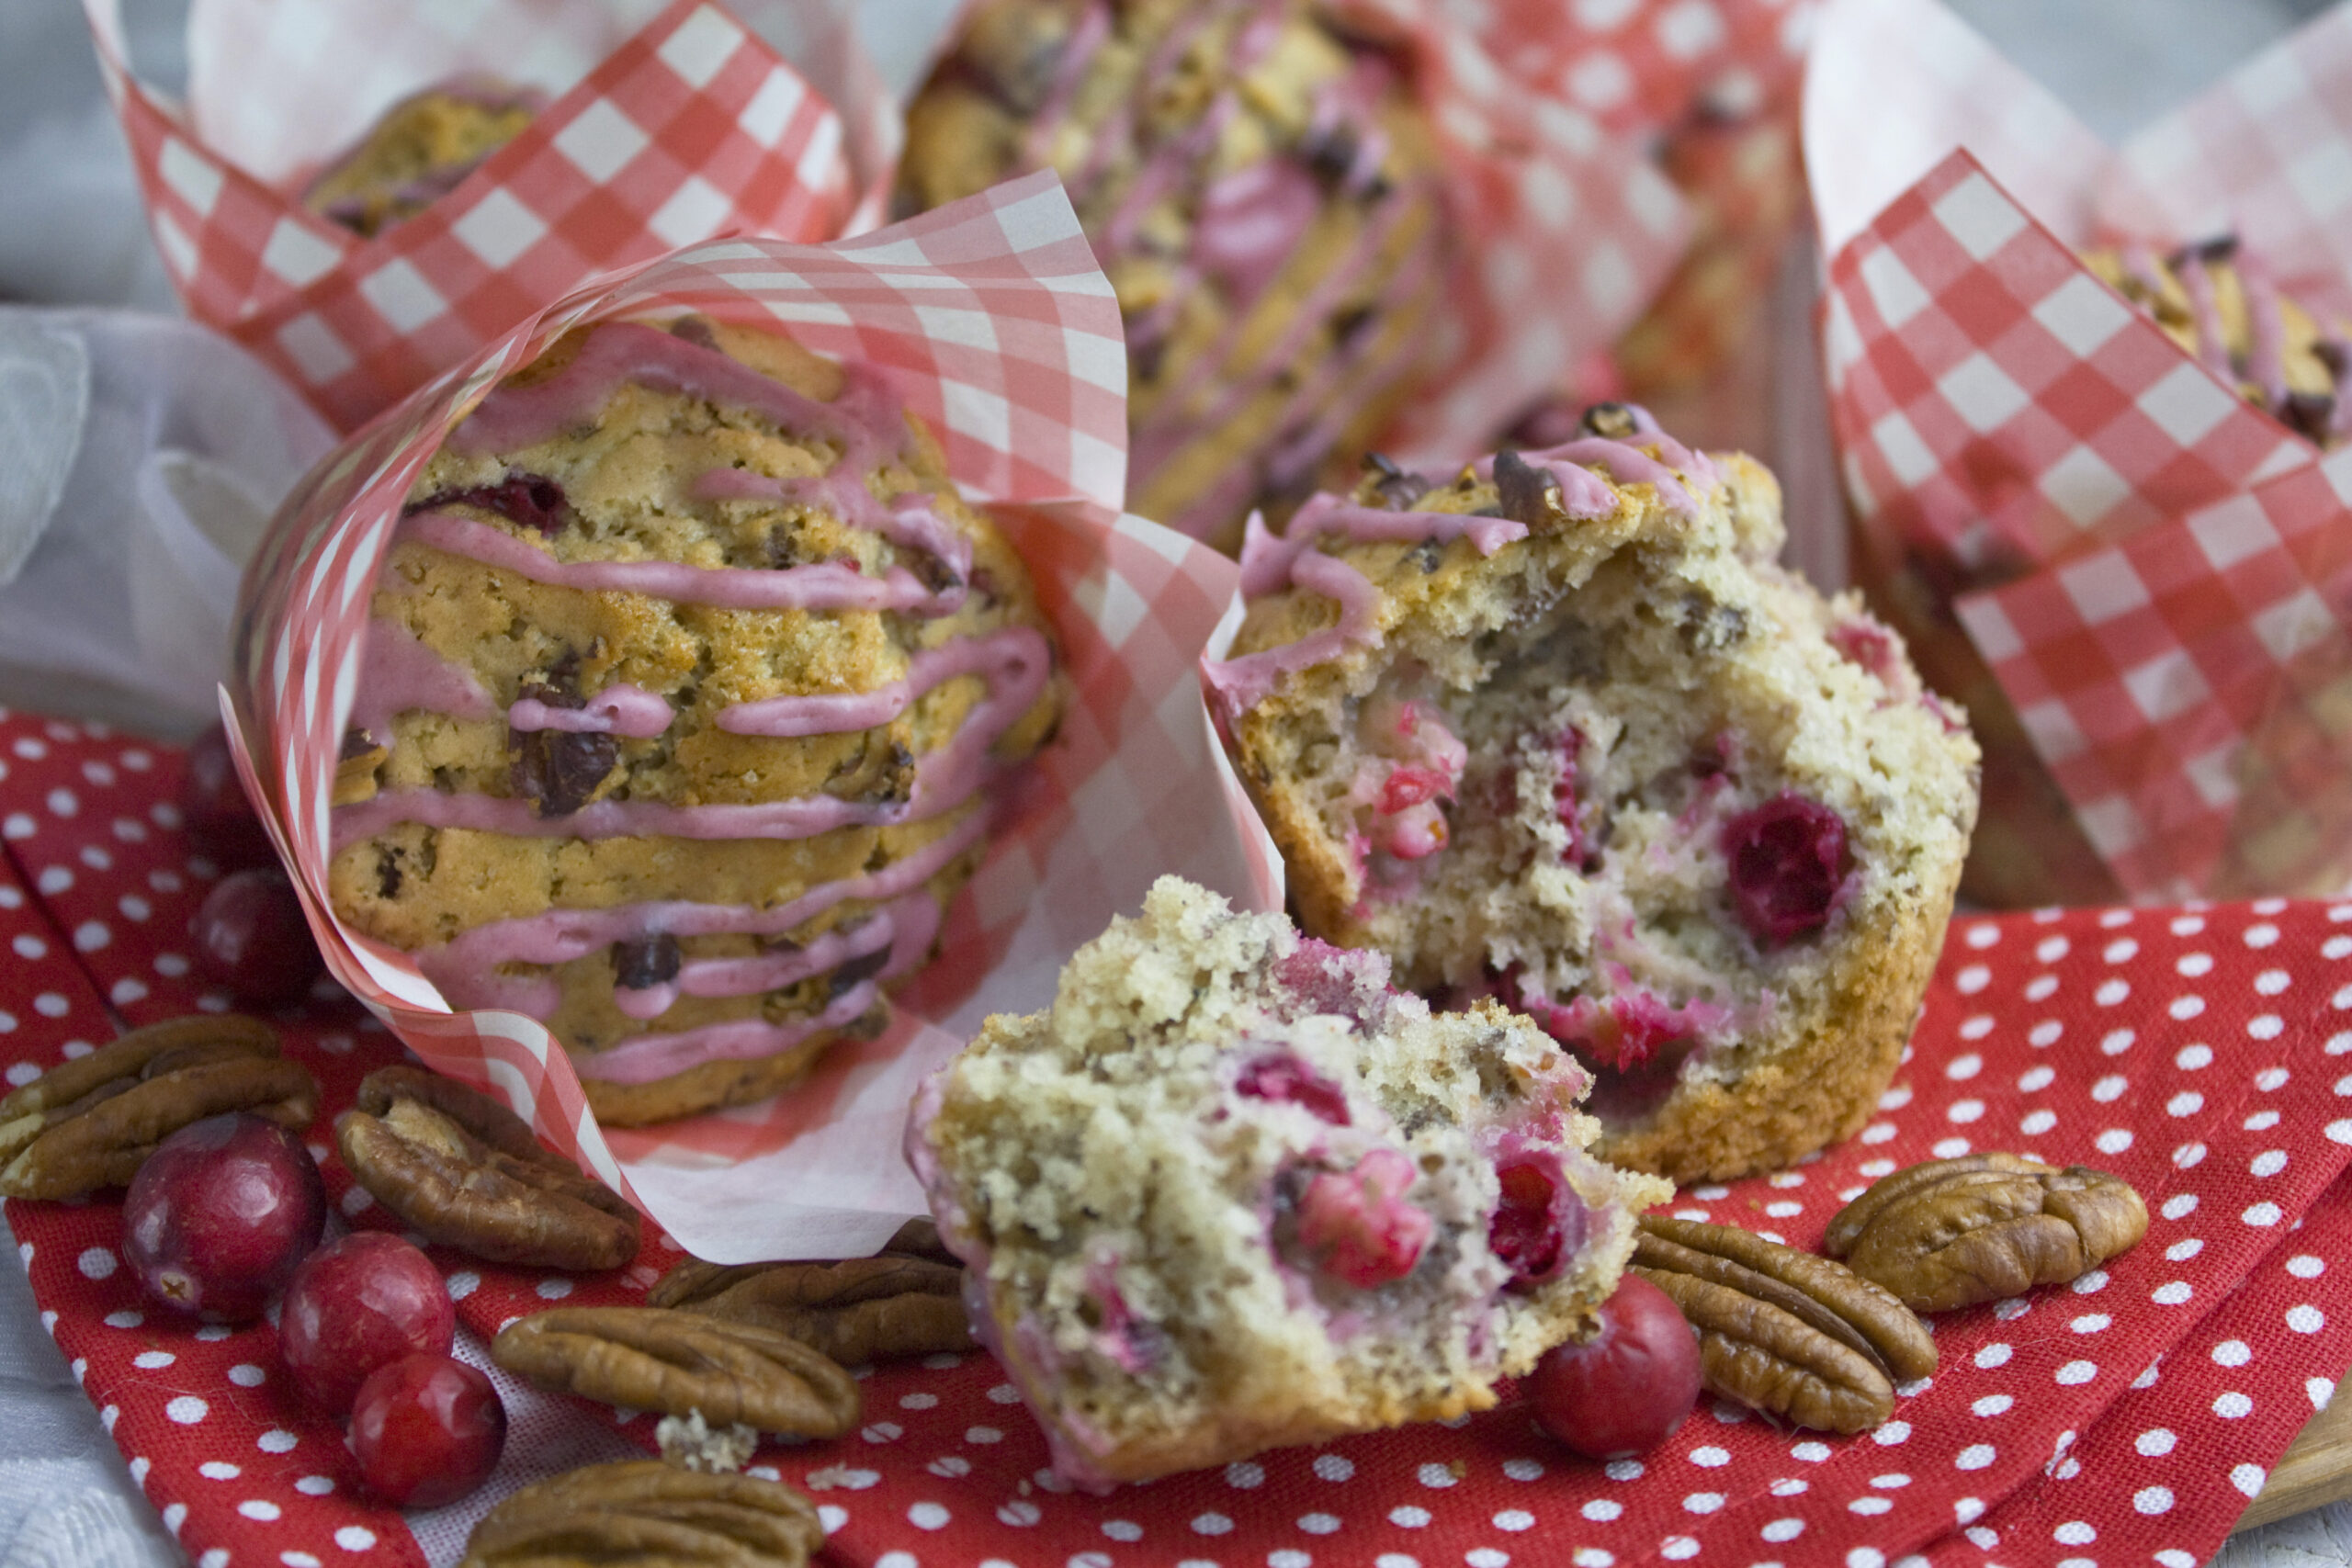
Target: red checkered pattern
{"type": "Point", "coordinates": [1994, 401]}
{"type": "Point", "coordinates": [2143, 670]}
{"type": "Point", "coordinates": [2265, 154]}
{"type": "Point", "coordinates": [1637, 66]}
{"type": "Point", "coordinates": [1565, 230]}
{"type": "Point", "coordinates": [2201, 1054]}
{"type": "Point", "coordinates": [690, 127]}
{"type": "Point", "coordinates": [1001, 334]}
{"type": "Point", "coordinates": [2162, 619]}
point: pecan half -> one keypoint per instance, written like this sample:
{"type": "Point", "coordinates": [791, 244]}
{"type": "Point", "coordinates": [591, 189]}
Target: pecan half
{"type": "Point", "coordinates": [1782, 1330]}
{"type": "Point", "coordinates": [464, 1171]}
{"type": "Point", "coordinates": [1952, 1232]}
{"type": "Point", "coordinates": [92, 1122]}
{"type": "Point", "coordinates": [864, 1309]}
{"type": "Point", "coordinates": [645, 1511]}
{"type": "Point", "coordinates": [678, 1363]}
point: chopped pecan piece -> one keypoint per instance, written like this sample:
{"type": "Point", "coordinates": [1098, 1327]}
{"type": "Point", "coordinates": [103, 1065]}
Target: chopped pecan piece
{"type": "Point", "coordinates": [92, 1122]}
{"type": "Point", "coordinates": [1952, 1233]}
{"type": "Point", "coordinates": [679, 1362]}
{"type": "Point", "coordinates": [1784, 1331]}
{"type": "Point", "coordinates": [864, 1309]}
{"type": "Point", "coordinates": [355, 768]}
{"type": "Point", "coordinates": [645, 1511]}
{"type": "Point", "coordinates": [466, 1171]}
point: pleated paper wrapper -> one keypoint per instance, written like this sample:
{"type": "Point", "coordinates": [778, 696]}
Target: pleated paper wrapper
{"type": "Point", "coordinates": [665, 125]}
{"type": "Point", "coordinates": [2150, 567]}
{"type": "Point", "coordinates": [993, 323]}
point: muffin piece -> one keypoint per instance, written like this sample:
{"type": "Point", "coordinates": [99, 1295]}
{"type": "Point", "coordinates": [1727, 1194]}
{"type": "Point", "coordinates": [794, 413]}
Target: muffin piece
{"type": "Point", "coordinates": [1231, 1192]}
{"type": "Point", "coordinates": [421, 150]}
{"type": "Point", "coordinates": [1561, 732]}
{"type": "Point", "coordinates": [1262, 191]}
{"type": "Point", "coordinates": [689, 687]}
{"type": "Point", "coordinates": [2219, 303]}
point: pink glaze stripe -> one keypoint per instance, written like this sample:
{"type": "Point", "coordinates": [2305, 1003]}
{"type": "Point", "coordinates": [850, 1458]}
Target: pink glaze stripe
{"type": "Point", "coordinates": [398, 672]}
{"type": "Point", "coordinates": [999, 657]}
{"type": "Point", "coordinates": [824, 586]}
{"type": "Point", "coordinates": [512, 417]}
{"type": "Point", "coordinates": [558, 936]}
{"type": "Point", "coordinates": [914, 923]}
{"type": "Point", "coordinates": [946, 778]}
{"type": "Point", "coordinates": [618, 709]}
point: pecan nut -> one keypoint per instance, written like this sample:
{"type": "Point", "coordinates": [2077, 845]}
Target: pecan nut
{"type": "Point", "coordinates": [1783, 1331]}
{"type": "Point", "coordinates": [681, 1362]}
{"type": "Point", "coordinates": [645, 1511]}
{"type": "Point", "coordinates": [864, 1309]}
{"type": "Point", "coordinates": [464, 1171]}
{"type": "Point", "coordinates": [92, 1122]}
{"type": "Point", "coordinates": [1952, 1232]}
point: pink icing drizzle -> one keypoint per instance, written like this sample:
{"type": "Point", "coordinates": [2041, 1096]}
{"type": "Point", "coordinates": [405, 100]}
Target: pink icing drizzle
{"type": "Point", "coordinates": [829, 586]}
{"type": "Point", "coordinates": [618, 709]}
{"type": "Point", "coordinates": [1250, 222]}
{"type": "Point", "coordinates": [466, 966]}
{"type": "Point", "coordinates": [945, 778]}
{"type": "Point", "coordinates": [398, 672]}
{"type": "Point", "coordinates": [618, 353]}
{"type": "Point", "coordinates": [1011, 655]}
{"type": "Point", "coordinates": [2212, 345]}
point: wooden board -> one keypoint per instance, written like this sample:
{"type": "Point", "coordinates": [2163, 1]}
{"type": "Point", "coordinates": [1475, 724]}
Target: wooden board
{"type": "Point", "coordinates": [2315, 1469]}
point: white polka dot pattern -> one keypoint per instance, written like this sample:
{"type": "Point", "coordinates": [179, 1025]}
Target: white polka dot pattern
{"type": "Point", "coordinates": [2034, 1422]}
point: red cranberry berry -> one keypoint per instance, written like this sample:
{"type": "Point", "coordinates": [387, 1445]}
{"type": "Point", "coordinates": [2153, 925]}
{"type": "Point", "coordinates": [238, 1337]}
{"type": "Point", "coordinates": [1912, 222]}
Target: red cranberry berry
{"type": "Point", "coordinates": [1286, 1079]}
{"type": "Point", "coordinates": [250, 935]}
{"type": "Point", "coordinates": [1359, 1224]}
{"type": "Point", "coordinates": [213, 801]}
{"type": "Point", "coordinates": [220, 1215]}
{"type": "Point", "coordinates": [1625, 1390]}
{"type": "Point", "coordinates": [1788, 866]}
{"type": "Point", "coordinates": [355, 1304]}
{"type": "Point", "coordinates": [427, 1431]}
{"type": "Point", "coordinates": [530, 501]}
{"type": "Point", "coordinates": [1539, 1223]}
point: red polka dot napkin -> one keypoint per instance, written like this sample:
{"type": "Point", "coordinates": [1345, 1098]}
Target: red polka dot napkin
{"type": "Point", "coordinates": [2198, 1053]}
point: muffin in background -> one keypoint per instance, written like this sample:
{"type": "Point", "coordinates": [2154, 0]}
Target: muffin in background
{"type": "Point", "coordinates": [1263, 195]}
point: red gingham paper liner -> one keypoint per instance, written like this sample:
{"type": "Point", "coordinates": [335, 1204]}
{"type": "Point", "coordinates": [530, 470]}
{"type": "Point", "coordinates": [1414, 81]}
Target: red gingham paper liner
{"type": "Point", "coordinates": [994, 323]}
{"type": "Point", "coordinates": [691, 128]}
{"type": "Point", "coordinates": [2203, 1053]}
{"type": "Point", "coordinates": [2009, 420]}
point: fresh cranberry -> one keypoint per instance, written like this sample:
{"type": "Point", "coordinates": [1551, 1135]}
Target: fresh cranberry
{"type": "Point", "coordinates": [1539, 1221]}
{"type": "Point", "coordinates": [250, 935]}
{"type": "Point", "coordinates": [1624, 1033]}
{"type": "Point", "coordinates": [528, 501]}
{"type": "Point", "coordinates": [427, 1431]}
{"type": "Point", "coordinates": [213, 801]}
{"type": "Point", "coordinates": [1407, 787]}
{"type": "Point", "coordinates": [1866, 643]}
{"type": "Point", "coordinates": [220, 1215]}
{"type": "Point", "coordinates": [1625, 1389]}
{"type": "Point", "coordinates": [1564, 794]}
{"type": "Point", "coordinates": [1358, 1225]}
{"type": "Point", "coordinates": [1288, 1080]}
{"type": "Point", "coordinates": [1788, 866]}
{"type": "Point", "coordinates": [355, 1304]}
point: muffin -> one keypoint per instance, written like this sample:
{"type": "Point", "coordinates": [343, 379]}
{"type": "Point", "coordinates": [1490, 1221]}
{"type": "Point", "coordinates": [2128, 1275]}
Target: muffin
{"type": "Point", "coordinates": [689, 687]}
{"type": "Point", "coordinates": [1262, 191]}
{"type": "Point", "coordinates": [421, 150]}
{"type": "Point", "coordinates": [1230, 1191]}
{"type": "Point", "coordinates": [1561, 733]}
